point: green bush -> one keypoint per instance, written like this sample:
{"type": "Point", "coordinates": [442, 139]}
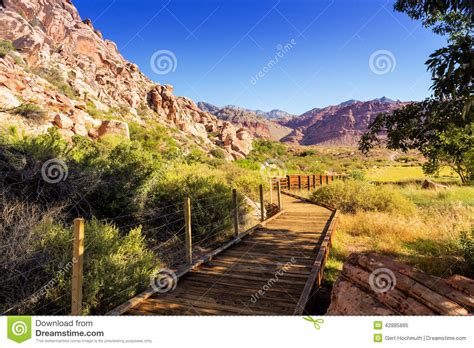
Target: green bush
{"type": "Point", "coordinates": [218, 153]}
{"type": "Point", "coordinates": [116, 266]}
{"type": "Point", "coordinates": [30, 111]}
{"type": "Point", "coordinates": [155, 138]}
{"type": "Point", "coordinates": [358, 175]}
{"type": "Point", "coordinates": [5, 48]}
{"type": "Point", "coordinates": [125, 176]}
{"type": "Point", "coordinates": [55, 77]}
{"type": "Point", "coordinates": [352, 196]}
{"type": "Point", "coordinates": [211, 206]}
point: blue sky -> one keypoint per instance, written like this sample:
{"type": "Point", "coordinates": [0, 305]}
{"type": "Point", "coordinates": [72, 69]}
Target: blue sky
{"type": "Point", "coordinates": [223, 52]}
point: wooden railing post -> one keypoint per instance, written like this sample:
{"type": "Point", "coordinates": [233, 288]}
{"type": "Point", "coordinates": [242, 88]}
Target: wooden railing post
{"type": "Point", "coordinates": [77, 267]}
{"type": "Point", "coordinates": [262, 206]}
{"type": "Point", "coordinates": [188, 236]}
{"type": "Point", "coordinates": [327, 179]}
{"type": "Point", "coordinates": [271, 191]}
{"type": "Point", "coordinates": [289, 183]}
{"type": "Point", "coordinates": [314, 180]}
{"type": "Point", "coordinates": [299, 182]}
{"type": "Point", "coordinates": [309, 184]}
{"type": "Point", "coordinates": [236, 212]}
{"type": "Point", "coordinates": [320, 180]}
{"type": "Point", "coordinates": [279, 195]}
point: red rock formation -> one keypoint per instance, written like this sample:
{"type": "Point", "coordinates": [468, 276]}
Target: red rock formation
{"type": "Point", "coordinates": [50, 34]}
{"type": "Point", "coordinates": [341, 124]}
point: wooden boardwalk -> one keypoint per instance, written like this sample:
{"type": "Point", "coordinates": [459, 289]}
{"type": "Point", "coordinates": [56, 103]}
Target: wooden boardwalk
{"type": "Point", "coordinates": [272, 270]}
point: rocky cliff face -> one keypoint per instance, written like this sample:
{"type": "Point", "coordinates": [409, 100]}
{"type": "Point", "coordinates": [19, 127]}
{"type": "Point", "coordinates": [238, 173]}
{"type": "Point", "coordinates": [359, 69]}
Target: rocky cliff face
{"type": "Point", "coordinates": [340, 125]}
{"type": "Point", "coordinates": [63, 65]}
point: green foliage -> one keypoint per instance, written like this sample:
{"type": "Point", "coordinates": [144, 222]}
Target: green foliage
{"type": "Point", "coordinates": [440, 127]}
{"type": "Point", "coordinates": [125, 175]}
{"type": "Point", "coordinates": [211, 205]}
{"type": "Point", "coordinates": [116, 265]}
{"type": "Point", "coordinates": [155, 138]}
{"type": "Point", "coordinates": [358, 175]}
{"type": "Point", "coordinates": [218, 153]}
{"type": "Point", "coordinates": [30, 111]}
{"type": "Point", "coordinates": [54, 76]}
{"type": "Point", "coordinates": [6, 47]}
{"type": "Point", "coordinates": [352, 196]}
{"type": "Point", "coordinates": [466, 243]}
{"type": "Point", "coordinates": [266, 149]}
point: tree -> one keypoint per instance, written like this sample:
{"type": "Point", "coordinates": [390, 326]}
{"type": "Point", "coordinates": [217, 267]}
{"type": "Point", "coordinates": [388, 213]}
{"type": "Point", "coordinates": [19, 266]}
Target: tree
{"type": "Point", "coordinates": [440, 127]}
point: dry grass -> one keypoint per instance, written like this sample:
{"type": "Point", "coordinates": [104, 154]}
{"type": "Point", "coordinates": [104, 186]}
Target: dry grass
{"type": "Point", "coordinates": [428, 238]}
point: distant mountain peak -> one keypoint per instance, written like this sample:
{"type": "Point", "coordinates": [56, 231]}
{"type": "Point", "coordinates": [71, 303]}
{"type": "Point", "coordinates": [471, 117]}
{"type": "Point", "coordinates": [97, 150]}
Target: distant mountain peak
{"type": "Point", "coordinates": [269, 115]}
{"type": "Point", "coordinates": [386, 100]}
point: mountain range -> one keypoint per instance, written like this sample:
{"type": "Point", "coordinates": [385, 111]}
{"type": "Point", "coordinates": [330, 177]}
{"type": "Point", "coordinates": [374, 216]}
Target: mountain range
{"type": "Point", "coordinates": [339, 125]}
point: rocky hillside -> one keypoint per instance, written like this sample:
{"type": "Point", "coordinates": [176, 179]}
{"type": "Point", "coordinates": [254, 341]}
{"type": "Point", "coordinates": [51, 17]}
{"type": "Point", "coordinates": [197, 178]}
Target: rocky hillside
{"type": "Point", "coordinates": [259, 123]}
{"type": "Point", "coordinates": [56, 70]}
{"type": "Point", "coordinates": [340, 125]}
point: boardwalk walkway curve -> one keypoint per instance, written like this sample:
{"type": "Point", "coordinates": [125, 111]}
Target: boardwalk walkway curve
{"type": "Point", "coordinates": [271, 269]}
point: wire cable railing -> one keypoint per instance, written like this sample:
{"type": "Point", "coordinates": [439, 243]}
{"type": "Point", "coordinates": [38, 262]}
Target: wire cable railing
{"type": "Point", "coordinates": [212, 222]}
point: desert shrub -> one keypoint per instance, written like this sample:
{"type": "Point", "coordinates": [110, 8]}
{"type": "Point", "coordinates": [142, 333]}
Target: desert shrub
{"type": "Point", "coordinates": [54, 77]}
{"type": "Point", "coordinates": [211, 206]}
{"type": "Point", "coordinates": [116, 265]}
{"type": "Point", "coordinates": [125, 175]}
{"type": "Point", "coordinates": [358, 175]}
{"type": "Point", "coordinates": [19, 257]}
{"type": "Point", "coordinates": [351, 196]}
{"type": "Point", "coordinates": [30, 111]}
{"type": "Point", "coordinates": [155, 138]}
{"type": "Point", "coordinates": [92, 109]}
{"type": "Point", "coordinates": [218, 153]}
{"type": "Point", "coordinates": [5, 48]}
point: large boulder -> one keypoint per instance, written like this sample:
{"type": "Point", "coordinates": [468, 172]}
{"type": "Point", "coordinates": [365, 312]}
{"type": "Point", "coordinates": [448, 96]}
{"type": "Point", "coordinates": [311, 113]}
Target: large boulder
{"type": "Point", "coordinates": [114, 127]}
{"type": "Point", "coordinates": [431, 185]}
{"type": "Point", "coordinates": [371, 284]}
{"type": "Point", "coordinates": [63, 122]}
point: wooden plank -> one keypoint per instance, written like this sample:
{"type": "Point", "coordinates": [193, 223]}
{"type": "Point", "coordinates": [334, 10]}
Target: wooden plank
{"type": "Point", "coordinates": [150, 291]}
{"type": "Point", "coordinates": [316, 272]}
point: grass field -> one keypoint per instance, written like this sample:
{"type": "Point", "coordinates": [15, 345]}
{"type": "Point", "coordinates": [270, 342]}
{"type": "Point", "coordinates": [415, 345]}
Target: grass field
{"type": "Point", "coordinates": [405, 173]}
{"type": "Point", "coordinates": [426, 232]}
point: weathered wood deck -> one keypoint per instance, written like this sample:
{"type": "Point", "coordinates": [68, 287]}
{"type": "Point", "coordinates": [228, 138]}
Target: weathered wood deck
{"type": "Point", "coordinates": [270, 271]}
